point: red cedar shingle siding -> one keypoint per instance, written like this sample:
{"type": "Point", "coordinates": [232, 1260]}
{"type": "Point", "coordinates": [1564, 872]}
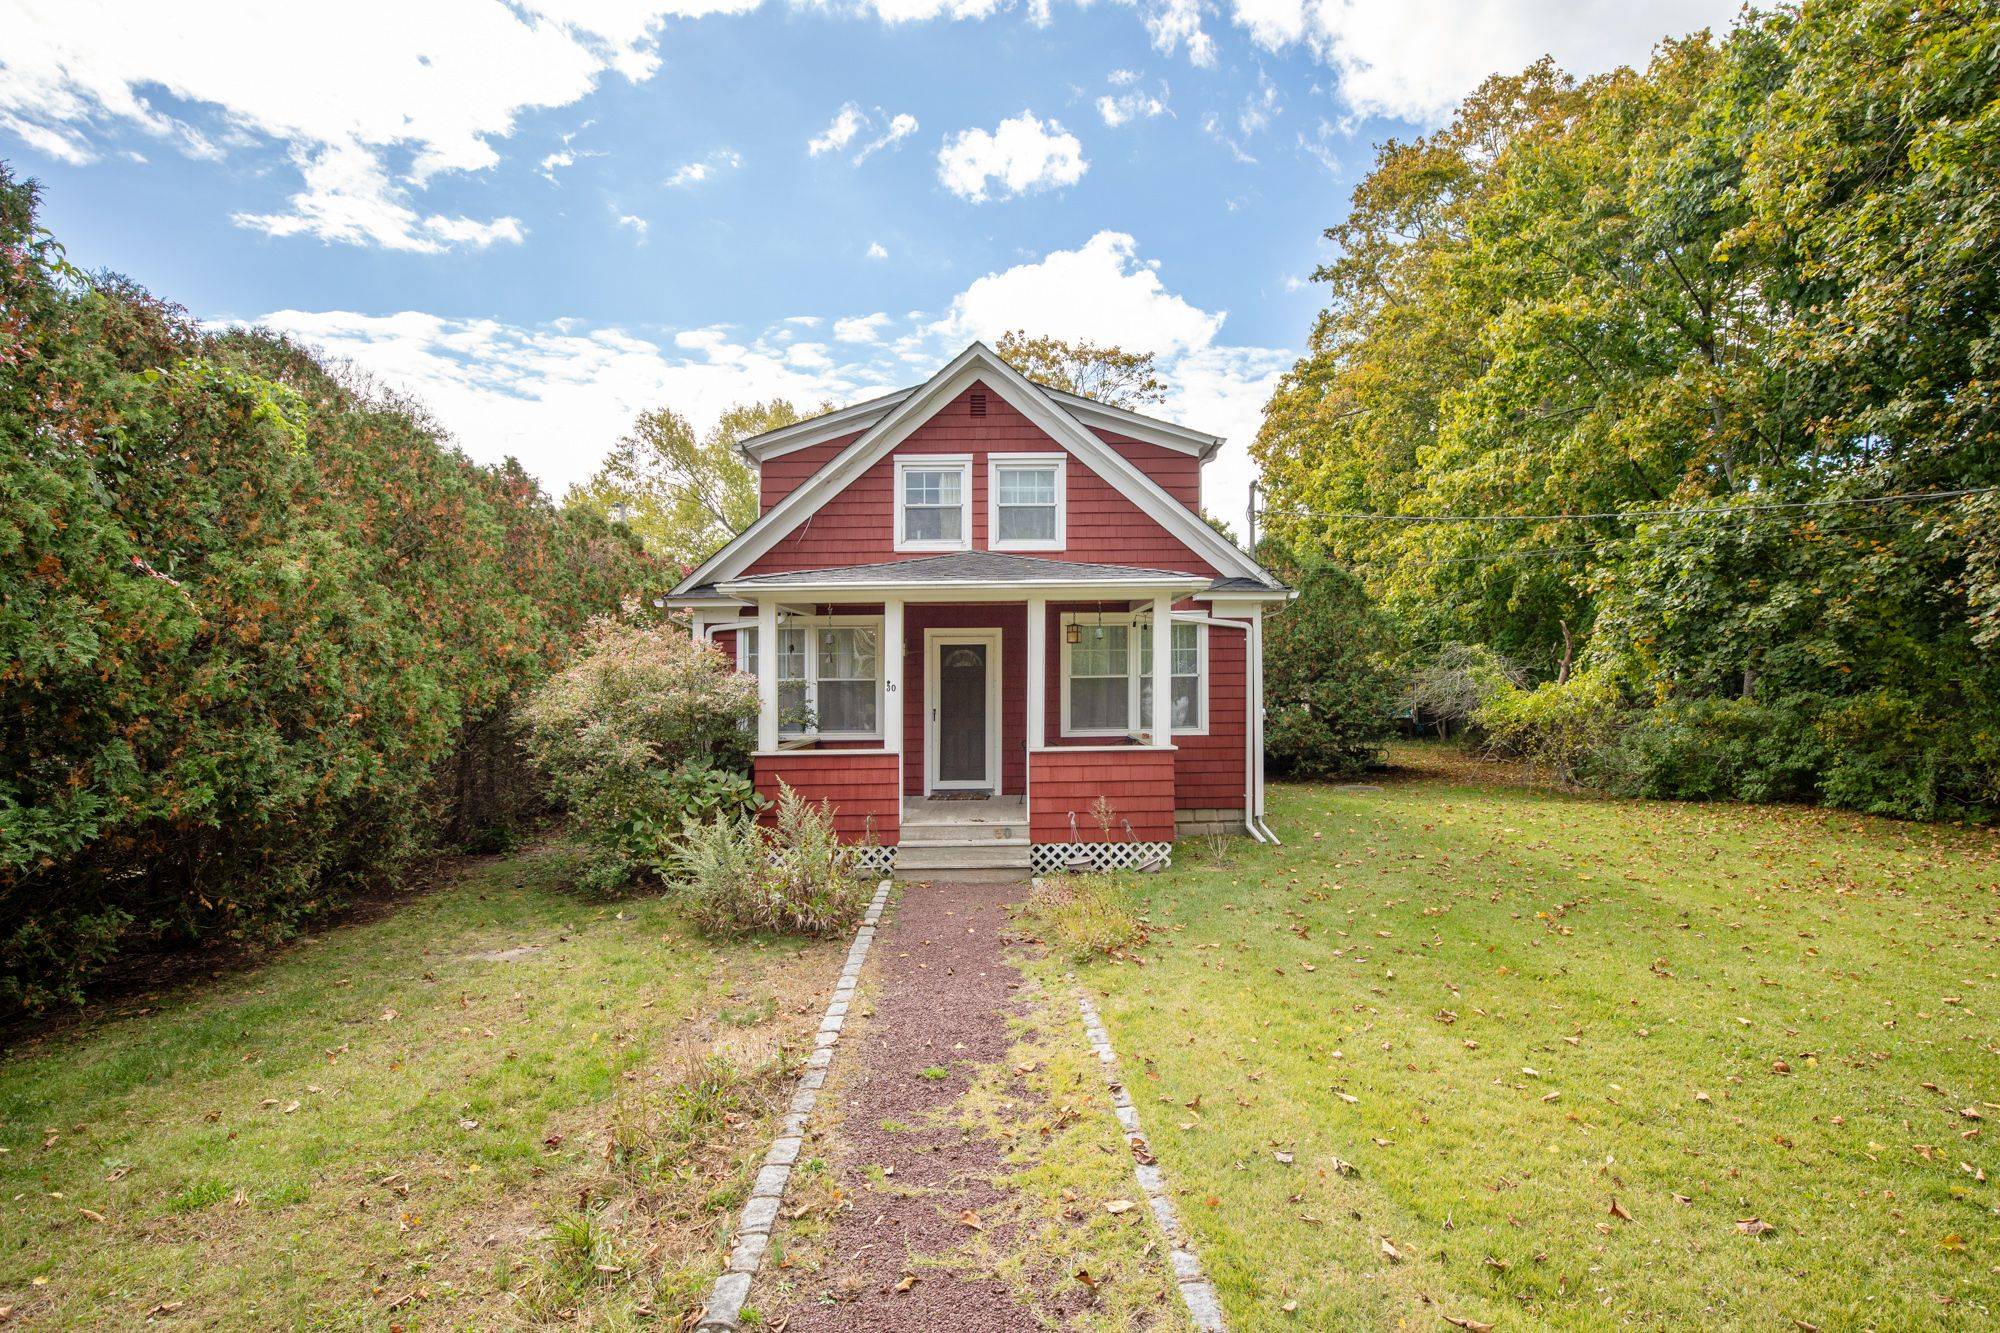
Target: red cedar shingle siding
{"type": "Point", "coordinates": [861, 787]}
{"type": "Point", "coordinates": [1178, 474]}
{"type": "Point", "coordinates": [857, 526]}
{"type": "Point", "coordinates": [780, 476]}
{"type": "Point", "coordinates": [1139, 784]}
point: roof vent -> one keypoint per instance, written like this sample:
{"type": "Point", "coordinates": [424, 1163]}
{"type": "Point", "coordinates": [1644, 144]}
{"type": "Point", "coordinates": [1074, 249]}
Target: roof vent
{"type": "Point", "coordinates": [979, 402]}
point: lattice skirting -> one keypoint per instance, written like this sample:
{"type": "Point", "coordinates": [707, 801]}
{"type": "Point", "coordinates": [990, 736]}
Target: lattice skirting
{"type": "Point", "coordinates": [876, 860]}
{"type": "Point", "coordinates": [1049, 857]}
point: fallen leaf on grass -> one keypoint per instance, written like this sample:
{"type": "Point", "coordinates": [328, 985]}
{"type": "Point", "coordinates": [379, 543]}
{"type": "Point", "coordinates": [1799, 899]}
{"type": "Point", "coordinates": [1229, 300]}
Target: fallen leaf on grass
{"type": "Point", "coordinates": [1390, 1252]}
{"type": "Point", "coordinates": [1117, 1206]}
{"type": "Point", "coordinates": [1083, 1276]}
{"type": "Point", "coordinates": [1618, 1211]}
{"type": "Point", "coordinates": [907, 1283]}
{"type": "Point", "coordinates": [1469, 1325]}
{"type": "Point", "coordinates": [968, 1218]}
{"type": "Point", "coordinates": [1751, 1226]}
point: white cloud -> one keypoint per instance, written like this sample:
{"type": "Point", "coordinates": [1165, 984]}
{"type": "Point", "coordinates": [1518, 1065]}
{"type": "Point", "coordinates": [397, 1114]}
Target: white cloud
{"type": "Point", "coordinates": [901, 127]}
{"type": "Point", "coordinates": [1174, 24]}
{"type": "Point", "coordinates": [556, 396]}
{"type": "Point", "coordinates": [432, 84]}
{"type": "Point", "coordinates": [1414, 60]}
{"type": "Point", "coordinates": [1118, 109]}
{"type": "Point", "coordinates": [861, 328]}
{"type": "Point", "coordinates": [1122, 78]}
{"type": "Point", "coordinates": [1101, 291]}
{"type": "Point", "coordinates": [702, 169]}
{"type": "Point", "coordinates": [810, 356]}
{"type": "Point", "coordinates": [876, 250]}
{"type": "Point", "coordinates": [1022, 155]}
{"type": "Point", "coordinates": [635, 223]}
{"type": "Point", "coordinates": [850, 121]}
{"type": "Point", "coordinates": [847, 122]}
{"type": "Point", "coordinates": [349, 198]}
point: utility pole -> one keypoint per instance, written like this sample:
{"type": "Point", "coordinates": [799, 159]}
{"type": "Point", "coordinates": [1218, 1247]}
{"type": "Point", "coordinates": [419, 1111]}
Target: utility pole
{"type": "Point", "coordinates": [1252, 523]}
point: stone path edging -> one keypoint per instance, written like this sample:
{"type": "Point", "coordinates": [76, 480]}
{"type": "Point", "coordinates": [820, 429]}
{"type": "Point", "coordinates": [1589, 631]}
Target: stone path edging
{"type": "Point", "coordinates": [1197, 1292]}
{"type": "Point", "coordinates": [760, 1213]}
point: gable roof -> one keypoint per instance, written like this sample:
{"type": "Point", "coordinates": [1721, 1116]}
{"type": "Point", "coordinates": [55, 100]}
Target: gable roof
{"type": "Point", "coordinates": [910, 410]}
{"type": "Point", "coordinates": [1088, 411]}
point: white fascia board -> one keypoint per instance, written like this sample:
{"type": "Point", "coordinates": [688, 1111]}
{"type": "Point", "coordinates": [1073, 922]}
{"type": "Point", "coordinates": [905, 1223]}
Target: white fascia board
{"type": "Point", "coordinates": [818, 430]}
{"type": "Point", "coordinates": [1148, 430]}
{"type": "Point", "coordinates": [976, 362]}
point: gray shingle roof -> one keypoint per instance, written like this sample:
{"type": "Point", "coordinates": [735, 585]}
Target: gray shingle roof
{"type": "Point", "coordinates": [964, 567]}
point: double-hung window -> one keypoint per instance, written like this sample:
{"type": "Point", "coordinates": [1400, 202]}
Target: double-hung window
{"type": "Point", "coordinates": [1186, 703]}
{"type": "Point", "coordinates": [829, 677]}
{"type": "Point", "coordinates": [1025, 502]}
{"type": "Point", "coordinates": [933, 503]}
{"type": "Point", "coordinates": [1107, 679]}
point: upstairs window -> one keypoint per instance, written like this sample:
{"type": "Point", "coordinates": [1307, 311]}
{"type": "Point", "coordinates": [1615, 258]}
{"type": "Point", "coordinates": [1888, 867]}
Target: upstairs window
{"type": "Point", "coordinates": [933, 504]}
{"type": "Point", "coordinates": [1025, 495]}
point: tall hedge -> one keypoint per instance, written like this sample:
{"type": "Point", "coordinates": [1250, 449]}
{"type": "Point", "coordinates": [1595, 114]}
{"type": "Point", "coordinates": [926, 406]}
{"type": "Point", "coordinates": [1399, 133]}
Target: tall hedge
{"type": "Point", "coordinates": [248, 607]}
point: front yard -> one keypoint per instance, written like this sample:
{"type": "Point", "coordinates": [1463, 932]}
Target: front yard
{"type": "Point", "coordinates": [502, 1103]}
{"type": "Point", "coordinates": [1467, 1050]}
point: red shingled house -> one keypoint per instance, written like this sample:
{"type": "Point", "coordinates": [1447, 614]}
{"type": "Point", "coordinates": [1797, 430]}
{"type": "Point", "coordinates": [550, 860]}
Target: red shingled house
{"type": "Point", "coordinates": [988, 622]}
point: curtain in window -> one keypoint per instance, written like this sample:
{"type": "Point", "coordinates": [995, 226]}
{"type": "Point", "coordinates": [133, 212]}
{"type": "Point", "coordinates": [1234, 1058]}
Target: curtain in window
{"type": "Point", "coordinates": [793, 703]}
{"type": "Point", "coordinates": [847, 668]}
{"type": "Point", "coordinates": [1187, 677]}
{"type": "Point", "coordinates": [1100, 679]}
{"type": "Point", "coordinates": [933, 505]}
{"type": "Point", "coordinates": [1027, 504]}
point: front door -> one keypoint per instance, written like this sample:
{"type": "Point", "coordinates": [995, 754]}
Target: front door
{"type": "Point", "coordinates": [964, 669]}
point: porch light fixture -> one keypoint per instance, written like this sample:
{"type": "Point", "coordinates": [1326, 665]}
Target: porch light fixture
{"type": "Point", "coordinates": [1074, 633]}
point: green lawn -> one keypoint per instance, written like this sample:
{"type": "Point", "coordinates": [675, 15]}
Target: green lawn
{"type": "Point", "coordinates": [1557, 1052]}
{"type": "Point", "coordinates": [493, 1105]}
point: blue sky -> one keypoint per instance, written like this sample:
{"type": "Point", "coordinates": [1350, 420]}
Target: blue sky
{"type": "Point", "coordinates": [543, 216]}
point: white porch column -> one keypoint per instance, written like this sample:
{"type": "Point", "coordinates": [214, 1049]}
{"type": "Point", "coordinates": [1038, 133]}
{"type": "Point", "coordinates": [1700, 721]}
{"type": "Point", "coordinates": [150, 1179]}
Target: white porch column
{"type": "Point", "coordinates": [1162, 721]}
{"type": "Point", "coordinates": [892, 675]}
{"type": "Point", "coordinates": [767, 676]}
{"type": "Point", "coordinates": [1038, 670]}
{"type": "Point", "coordinates": [698, 625]}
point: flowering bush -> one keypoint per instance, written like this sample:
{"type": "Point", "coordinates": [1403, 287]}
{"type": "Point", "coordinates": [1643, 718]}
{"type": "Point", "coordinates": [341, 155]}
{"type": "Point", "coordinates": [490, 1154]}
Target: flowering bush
{"type": "Point", "coordinates": [645, 732]}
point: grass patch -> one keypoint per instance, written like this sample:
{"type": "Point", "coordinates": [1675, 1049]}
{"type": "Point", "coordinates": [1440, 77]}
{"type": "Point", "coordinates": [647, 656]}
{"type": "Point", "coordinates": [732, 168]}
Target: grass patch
{"type": "Point", "coordinates": [1084, 916]}
{"type": "Point", "coordinates": [1557, 1052]}
{"type": "Point", "coordinates": [435, 1117]}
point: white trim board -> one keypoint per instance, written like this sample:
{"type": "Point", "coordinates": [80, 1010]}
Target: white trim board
{"type": "Point", "coordinates": [974, 364]}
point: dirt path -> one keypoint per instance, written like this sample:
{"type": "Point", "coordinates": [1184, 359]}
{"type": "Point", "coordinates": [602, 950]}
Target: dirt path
{"type": "Point", "coordinates": [908, 1170]}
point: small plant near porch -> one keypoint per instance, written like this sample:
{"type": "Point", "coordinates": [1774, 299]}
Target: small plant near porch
{"type": "Point", "coordinates": [795, 876]}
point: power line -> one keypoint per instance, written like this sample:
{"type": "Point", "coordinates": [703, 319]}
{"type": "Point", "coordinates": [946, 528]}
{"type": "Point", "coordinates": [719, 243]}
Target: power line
{"type": "Point", "coordinates": [1706, 511]}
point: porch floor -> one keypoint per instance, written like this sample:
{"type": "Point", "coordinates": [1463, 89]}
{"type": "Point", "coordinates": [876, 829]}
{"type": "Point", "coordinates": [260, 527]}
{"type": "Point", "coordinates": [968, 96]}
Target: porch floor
{"type": "Point", "coordinates": [989, 810]}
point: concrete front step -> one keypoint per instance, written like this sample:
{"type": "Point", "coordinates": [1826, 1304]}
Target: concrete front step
{"type": "Point", "coordinates": [956, 835]}
{"type": "Point", "coordinates": [937, 858]}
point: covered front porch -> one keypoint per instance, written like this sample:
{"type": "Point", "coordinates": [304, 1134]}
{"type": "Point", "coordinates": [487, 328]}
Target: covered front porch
{"type": "Point", "coordinates": [933, 700]}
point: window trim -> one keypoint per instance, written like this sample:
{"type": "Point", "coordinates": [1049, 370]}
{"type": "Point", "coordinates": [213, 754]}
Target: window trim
{"type": "Point", "coordinates": [962, 464]}
{"type": "Point", "coordinates": [812, 624]}
{"type": "Point", "coordinates": [1140, 623]}
{"type": "Point", "coordinates": [998, 463]}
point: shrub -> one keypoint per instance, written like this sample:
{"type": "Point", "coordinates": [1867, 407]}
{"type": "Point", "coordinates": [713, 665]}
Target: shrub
{"type": "Point", "coordinates": [251, 605]}
{"type": "Point", "coordinates": [1558, 728]}
{"type": "Point", "coordinates": [631, 734]}
{"type": "Point", "coordinates": [739, 876]}
{"type": "Point", "coordinates": [1329, 701]}
{"type": "Point", "coordinates": [1716, 749]}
